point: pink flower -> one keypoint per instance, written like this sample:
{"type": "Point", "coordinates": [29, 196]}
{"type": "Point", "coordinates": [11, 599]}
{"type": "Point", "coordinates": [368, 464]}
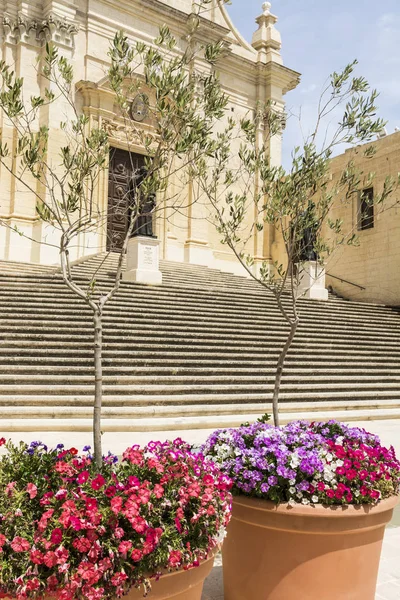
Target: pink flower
{"type": "Point", "coordinates": [119, 578]}
{"type": "Point", "coordinates": [20, 544]}
{"type": "Point", "coordinates": [351, 474]}
{"type": "Point", "coordinates": [10, 488]}
{"type": "Point", "coordinates": [32, 490]}
{"type": "Point", "coordinates": [116, 504]}
{"type": "Point", "coordinates": [119, 533]}
{"type": "Point", "coordinates": [50, 559]}
{"type": "Point", "coordinates": [2, 441]}
{"type": "Point", "coordinates": [321, 486]}
{"type": "Point", "coordinates": [91, 504]}
{"type": "Point", "coordinates": [124, 547]}
{"type": "Point", "coordinates": [340, 470]}
{"type": "Point", "coordinates": [175, 558]}
{"type": "Point", "coordinates": [111, 491]}
{"type": "Point", "coordinates": [82, 544]}
{"type": "Point", "coordinates": [158, 491]}
{"type": "Point", "coordinates": [61, 494]}
{"type": "Point", "coordinates": [98, 482]}
{"type": "Point", "coordinates": [56, 536]}
{"type": "Point", "coordinates": [363, 474]}
{"type": "Point", "coordinates": [178, 525]}
{"type": "Point", "coordinates": [46, 498]}
{"type": "Point", "coordinates": [37, 557]}
{"type": "Point", "coordinates": [3, 540]}
{"type": "Point", "coordinates": [330, 493]}
{"type": "Point", "coordinates": [75, 523]}
{"type": "Point", "coordinates": [136, 555]}
{"type": "Point", "coordinates": [83, 477]}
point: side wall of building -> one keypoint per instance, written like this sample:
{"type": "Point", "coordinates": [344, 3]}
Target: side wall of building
{"type": "Point", "coordinates": [374, 265]}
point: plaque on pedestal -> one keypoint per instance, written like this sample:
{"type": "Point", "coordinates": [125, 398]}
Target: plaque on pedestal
{"type": "Point", "coordinates": [143, 260]}
{"type": "Point", "coordinates": [311, 281]}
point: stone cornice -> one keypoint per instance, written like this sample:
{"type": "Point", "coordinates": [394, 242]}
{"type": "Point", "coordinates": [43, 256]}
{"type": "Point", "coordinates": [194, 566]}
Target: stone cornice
{"type": "Point", "coordinates": [279, 75]}
{"type": "Point", "coordinates": [36, 32]}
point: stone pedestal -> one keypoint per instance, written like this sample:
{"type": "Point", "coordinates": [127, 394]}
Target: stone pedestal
{"type": "Point", "coordinates": [312, 281]}
{"type": "Point", "coordinates": [143, 260]}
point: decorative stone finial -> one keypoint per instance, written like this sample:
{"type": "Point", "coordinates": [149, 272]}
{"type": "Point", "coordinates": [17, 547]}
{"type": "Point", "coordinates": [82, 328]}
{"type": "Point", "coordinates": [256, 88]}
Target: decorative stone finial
{"type": "Point", "coordinates": [267, 39]}
{"type": "Point", "coordinates": [266, 8]}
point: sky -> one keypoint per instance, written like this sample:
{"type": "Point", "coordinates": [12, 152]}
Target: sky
{"type": "Point", "coordinates": [322, 36]}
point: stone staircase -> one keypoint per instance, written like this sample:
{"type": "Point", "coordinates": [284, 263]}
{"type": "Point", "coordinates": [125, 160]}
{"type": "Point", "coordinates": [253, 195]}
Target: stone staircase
{"type": "Point", "coordinates": [198, 352]}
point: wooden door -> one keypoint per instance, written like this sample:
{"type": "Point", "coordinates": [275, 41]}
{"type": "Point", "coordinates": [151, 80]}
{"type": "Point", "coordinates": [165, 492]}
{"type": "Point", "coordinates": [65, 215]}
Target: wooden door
{"type": "Point", "coordinates": [123, 165]}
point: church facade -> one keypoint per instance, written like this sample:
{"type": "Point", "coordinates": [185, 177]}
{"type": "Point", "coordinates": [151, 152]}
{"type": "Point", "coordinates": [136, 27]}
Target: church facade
{"type": "Point", "coordinates": [82, 31]}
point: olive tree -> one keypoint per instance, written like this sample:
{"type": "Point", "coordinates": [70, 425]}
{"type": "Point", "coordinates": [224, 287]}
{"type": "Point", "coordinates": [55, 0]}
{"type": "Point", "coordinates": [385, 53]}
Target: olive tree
{"type": "Point", "coordinates": [183, 105]}
{"type": "Point", "coordinates": [296, 202]}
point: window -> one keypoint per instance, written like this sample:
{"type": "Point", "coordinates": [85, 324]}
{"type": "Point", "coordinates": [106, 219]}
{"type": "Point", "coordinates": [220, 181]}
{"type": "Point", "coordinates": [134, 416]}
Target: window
{"type": "Point", "coordinates": [366, 209]}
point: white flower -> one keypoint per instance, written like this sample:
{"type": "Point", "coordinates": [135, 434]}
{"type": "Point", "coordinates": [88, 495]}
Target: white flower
{"type": "Point", "coordinates": [292, 502]}
{"type": "Point", "coordinates": [315, 499]}
{"type": "Point", "coordinates": [292, 481]}
{"type": "Point", "coordinates": [329, 457]}
{"type": "Point", "coordinates": [299, 494]}
{"type": "Point", "coordinates": [305, 501]}
{"type": "Point", "coordinates": [292, 490]}
{"type": "Point", "coordinates": [356, 493]}
{"type": "Point", "coordinates": [339, 463]}
{"type": "Point", "coordinates": [295, 460]}
{"type": "Point", "coordinates": [339, 440]}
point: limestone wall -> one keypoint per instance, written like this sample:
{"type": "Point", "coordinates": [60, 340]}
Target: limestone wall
{"type": "Point", "coordinates": [375, 264]}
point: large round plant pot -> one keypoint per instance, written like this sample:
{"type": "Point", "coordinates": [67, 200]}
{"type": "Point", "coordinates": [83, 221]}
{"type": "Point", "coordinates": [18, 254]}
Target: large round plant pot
{"type": "Point", "coordinates": [278, 552]}
{"type": "Point", "coordinates": [178, 585]}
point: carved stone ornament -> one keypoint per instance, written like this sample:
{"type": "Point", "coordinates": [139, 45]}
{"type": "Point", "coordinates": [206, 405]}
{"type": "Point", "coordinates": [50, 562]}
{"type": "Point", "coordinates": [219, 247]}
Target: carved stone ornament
{"type": "Point", "coordinates": [23, 29]}
{"type": "Point", "coordinates": [140, 108]}
{"type": "Point", "coordinates": [120, 133]}
{"type": "Point", "coordinates": [20, 29]}
{"type": "Point", "coordinates": [59, 30]}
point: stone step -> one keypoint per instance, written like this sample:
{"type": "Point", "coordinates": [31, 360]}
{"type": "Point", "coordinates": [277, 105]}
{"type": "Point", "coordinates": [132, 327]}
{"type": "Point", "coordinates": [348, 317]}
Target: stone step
{"type": "Point", "coordinates": [144, 412]}
{"type": "Point", "coordinates": [75, 349]}
{"type": "Point", "coordinates": [142, 407]}
{"type": "Point", "coordinates": [32, 343]}
{"type": "Point", "coordinates": [211, 379]}
{"type": "Point", "coordinates": [197, 395]}
{"type": "Point", "coordinates": [51, 288]}
{"type": "Point", "coordinates": [199, 336]}
{"type": "Point", "coordinates": [40, 316]}
{"type": "Point", "coordinates": [179, 423]}
{"type": "Point", "coordinates": [45, 366]}
{"type": "Point", "coordinates": [68, 360]}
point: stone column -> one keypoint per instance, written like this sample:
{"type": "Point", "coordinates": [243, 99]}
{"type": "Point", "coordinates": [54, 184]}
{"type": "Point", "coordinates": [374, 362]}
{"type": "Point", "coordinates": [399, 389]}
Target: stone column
{"type": "Point", "coordinates": [273, 81]}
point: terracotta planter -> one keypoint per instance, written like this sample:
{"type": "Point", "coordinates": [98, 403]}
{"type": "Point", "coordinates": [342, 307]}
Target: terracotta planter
{"type": "Point", "coordinates": [303, 553]}
{"type": "Point", "coordinates": [179, 585]}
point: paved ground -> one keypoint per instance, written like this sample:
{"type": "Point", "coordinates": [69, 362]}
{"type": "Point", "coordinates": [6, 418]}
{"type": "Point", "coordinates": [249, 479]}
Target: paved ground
{"type": "Point", "coordinates": [389, 574]}
{"type": "Point", "coordinates": [388, 430]}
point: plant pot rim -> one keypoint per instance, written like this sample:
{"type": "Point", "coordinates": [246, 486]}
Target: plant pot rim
{"type": "Point", "coordinates": [318, 510]}
{"type": "Point", "coordinates": [164, 573]}
{"type": "Point", "coordinates": [311, 518]}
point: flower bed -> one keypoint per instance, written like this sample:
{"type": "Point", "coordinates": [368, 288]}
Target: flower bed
{"type": "Point", "coordinates": [70, 530]}
{"type": "Point", "coordinates": [328, 463]}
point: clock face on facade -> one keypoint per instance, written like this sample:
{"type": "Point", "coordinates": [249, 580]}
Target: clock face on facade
{"type": "Point", "coordinates": [140, 108]}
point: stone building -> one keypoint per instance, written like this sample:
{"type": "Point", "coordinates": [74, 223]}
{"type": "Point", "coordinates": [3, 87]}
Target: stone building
{"type": "Point", "coordinates": [370, 271]}
{"type": "Point", "coordinates": [82, 30]}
